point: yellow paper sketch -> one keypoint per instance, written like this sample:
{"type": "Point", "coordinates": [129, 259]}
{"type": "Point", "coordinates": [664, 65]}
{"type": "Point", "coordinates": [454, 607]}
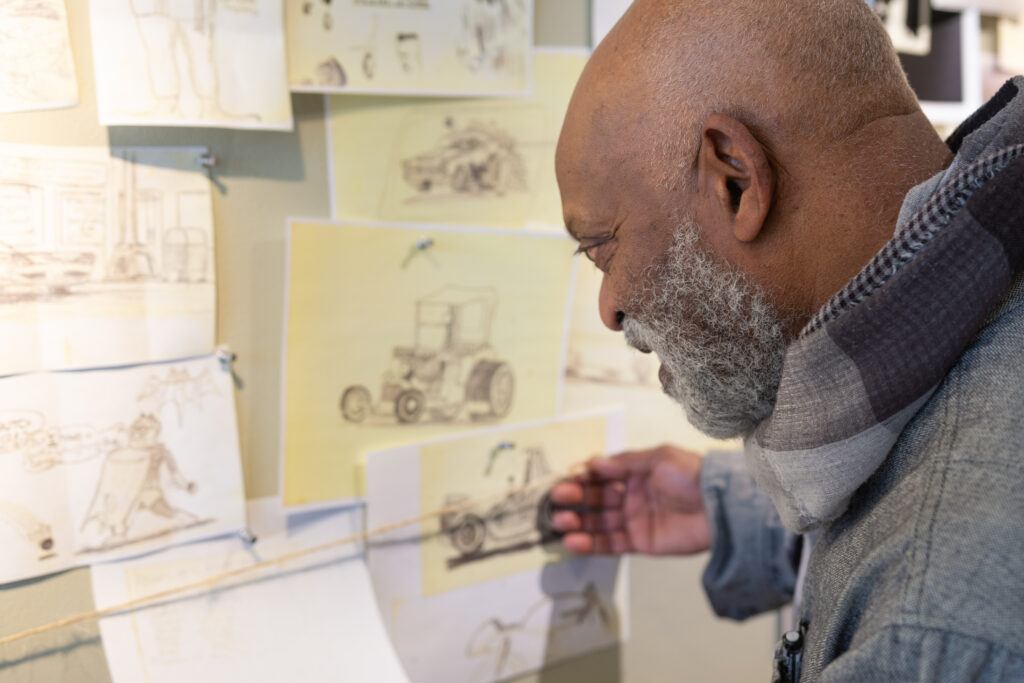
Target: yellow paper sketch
{"type": "Point", "coordinates": [191, 63]}
{"type": "Point", "coordinates": [105, 258]}
{"type": "Point", "coordinates": [467, 47]}
{"type": "Point", "coordinates": [454, 161]}
{"type": "Point", "coordinates": [36, 67]}
{"type": "Point", "coordinates": [507, 534]}
{"type": "Point", "coordinates": [468, 331]}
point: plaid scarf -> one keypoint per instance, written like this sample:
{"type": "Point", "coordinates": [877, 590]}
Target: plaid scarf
{"type": "Point", "coordinates": [874, 354]}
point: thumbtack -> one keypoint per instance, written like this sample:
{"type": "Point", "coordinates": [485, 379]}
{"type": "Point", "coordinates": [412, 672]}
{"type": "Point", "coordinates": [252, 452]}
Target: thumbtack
{"type": "Point", "coordinates": [502, 446]}
{"type": "Point", "coordinates": [424, 243]}
{"type": "Point", "coordinates": [226, 355]}
{"type": "Point", "coordinates": [207, 160]}
{"type": "Point", "coordinates": [420, 247]}
{"type": "Point", "coordinates": [248, 536]}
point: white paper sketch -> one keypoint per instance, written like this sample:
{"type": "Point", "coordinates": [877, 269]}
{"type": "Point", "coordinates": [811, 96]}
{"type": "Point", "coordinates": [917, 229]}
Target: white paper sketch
{"type": "Point", "coordinates": [451, 367]}
{"type": "Point", "coordinates": [179, 388]}
{"type": "Point", "coordinates": [322, 606]}
{"type": "Point", "coordinates": [106, 257]}
{"type": "Point", "coordinates": [504, 623]}
{"type": "Point", "coordinates": [36, 67]}
{"type": "Point", "coordinates": [191, 62]}
{"type": "Point", "coordinates": [397, 46]}
{"type": "Point", "coordinates": [91, 480]}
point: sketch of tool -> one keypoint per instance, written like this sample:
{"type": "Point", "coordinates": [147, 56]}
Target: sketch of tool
{"type": "Point", "coordinates": [409, 52]}
{"type": "Point", "coordinates": [131, 480]}
{"type": "Point", "coordinates": [519, 521]}
{"type": "Point", "coordinates": [450, 369]}
{"type": "Point", "coordinates": [36, 67]}
{"type": "Point", "coordinates": [37, 533]}
{"type": "Point", "coordinates": [494, 640]}
{"type": "Point", "coordinates": [178, 388]}
{"type": "Point", "coordinates": [476, 158]}
{"type": "Point", "coordinates": [180, 42]}
{"type": "Point", "coordinates": [489, 28]}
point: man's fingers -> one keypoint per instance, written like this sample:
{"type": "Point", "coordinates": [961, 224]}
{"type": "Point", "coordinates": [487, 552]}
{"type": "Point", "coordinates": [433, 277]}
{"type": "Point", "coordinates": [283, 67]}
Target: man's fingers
{"type": "Point", "coordinates": [580, 543]}
{"type": "Point", "coordinates": [567, 493]}
{"type": "Point", "coordinates": [589, 495]}
{"type": "Point", "coordinates": [566, 520]}
{"type": "Point", "coordinates": [604, 521]}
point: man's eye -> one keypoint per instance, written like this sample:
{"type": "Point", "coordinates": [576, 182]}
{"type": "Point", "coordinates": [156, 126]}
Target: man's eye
{"type": "Point", "coordinates": [590, 251]}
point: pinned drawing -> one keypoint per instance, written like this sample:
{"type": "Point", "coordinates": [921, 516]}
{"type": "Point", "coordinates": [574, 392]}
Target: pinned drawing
{"type": "Point", "coordinates": [201, 62]}
{"type": "Point", "coordinates": [476, 158]}
{"type": "Point", "coordinates": [85, 479]}
{"type": "Point", "coordinates": [518, 521]}
{"type": "Point", "coordinates": [105, 256]}
{"type": "Point", "coordinates": [450, 369]}
{"type": "Point", "coordinates": [36, 66]}
{"type": "Point", "coordinates": [179, 389]}
{"type": "Point", "coordinates": [132, 480]}
{"type": "Point", "coordinates": [36, 533]}
{"type": "Point", "coordinates": [443, 48]}
{"type": "Point", "coordinates": [494, 642]}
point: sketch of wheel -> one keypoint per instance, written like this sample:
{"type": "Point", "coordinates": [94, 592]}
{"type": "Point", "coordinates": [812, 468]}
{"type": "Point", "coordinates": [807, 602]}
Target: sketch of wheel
{"type": "Point", "coordinates": [445, 413]}
{"type": "Point", "coordinates": [545, 517]}
{"type": "Point", "coordinates": [468, 537]}
{"type": "Point", "coordinates": [409, 405]}
{"type": "Point", "coordinates": [356, 403]}
{"type": "Point", "coordinates": [501, 390]}
{"type": "Point", "coordinates": [424, 185]}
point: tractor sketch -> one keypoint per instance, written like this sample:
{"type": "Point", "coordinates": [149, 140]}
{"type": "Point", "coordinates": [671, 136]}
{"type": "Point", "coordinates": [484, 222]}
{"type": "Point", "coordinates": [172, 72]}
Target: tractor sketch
{"type": "Point", "coordinates": [521, 519]}
{"type": "Point", "coordinates": [451, 368]}
{"type": "Point", "coordinates": [473, 159]}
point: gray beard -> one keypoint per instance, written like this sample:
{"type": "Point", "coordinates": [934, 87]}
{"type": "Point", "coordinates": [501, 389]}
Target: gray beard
{"type": "Point", "coordinates": [720, 341]}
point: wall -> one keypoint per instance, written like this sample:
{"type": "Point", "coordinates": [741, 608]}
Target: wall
{"type": "Point", "coordinates": [261, 179]}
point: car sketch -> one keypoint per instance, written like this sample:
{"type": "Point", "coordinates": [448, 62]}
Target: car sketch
{"type": "Point", "coordinates": [450, 369]}
{"type": "Point", "coordinates": [473, 159]}
{"type": "Point", "coordinates": [520, 519]}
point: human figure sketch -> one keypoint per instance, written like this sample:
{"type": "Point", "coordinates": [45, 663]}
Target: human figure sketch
{"type": "Point", "coordinates": [179, 37]}
{"type": "Point", "coordinates": [132, 480]}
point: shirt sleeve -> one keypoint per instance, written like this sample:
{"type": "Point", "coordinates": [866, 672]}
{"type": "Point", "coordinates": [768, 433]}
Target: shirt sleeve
{"type": "Point", "coordinates": [754, 558]}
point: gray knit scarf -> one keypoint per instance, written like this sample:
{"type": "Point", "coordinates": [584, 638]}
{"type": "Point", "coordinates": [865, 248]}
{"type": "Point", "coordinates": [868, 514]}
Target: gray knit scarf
{"type": "Point", "coordinates": [874, 354]}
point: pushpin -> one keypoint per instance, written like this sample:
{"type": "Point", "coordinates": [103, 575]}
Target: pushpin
{"type": "Point", "coordinates": [248, 536]}
{"type": "Point", "coordinates": [420, 246]}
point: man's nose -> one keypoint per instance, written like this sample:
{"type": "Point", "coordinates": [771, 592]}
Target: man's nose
{"type": "Point", "coordinates": [611, 316]}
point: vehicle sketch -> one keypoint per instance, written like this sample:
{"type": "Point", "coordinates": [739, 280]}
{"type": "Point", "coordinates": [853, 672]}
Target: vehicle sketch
{"type": "Point", "coordinates": [132, 480]}
{"type": "Point", "coordinates": [494, 641]}
{"type": "Point", "coordinates": [178, 388]}
{"type": "Point", "coordinates": [450, 370]}
{"type": "Point", "coordinates": [36, 67]}
{"type": "Point", "coordinates": [180, 43]}
{"type": "Point", "coordinates": [518, 521]}
{"type": "Point", "coordinates": [475, 158]}
{"type": "Point", "coordinates": [602, 358]}
{"type": "Point", "coordinates": [35, 532]}
{"type": "Point", "coordinates": [489, 33]}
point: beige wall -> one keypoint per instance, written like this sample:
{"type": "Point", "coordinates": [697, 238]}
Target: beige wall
{"type": "Point", "coordinates": [261, 179]}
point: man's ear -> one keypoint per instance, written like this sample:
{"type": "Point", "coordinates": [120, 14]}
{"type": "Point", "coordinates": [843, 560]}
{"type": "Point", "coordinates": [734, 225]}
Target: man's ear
{"type": "Point", "coordinates": [733, 169]}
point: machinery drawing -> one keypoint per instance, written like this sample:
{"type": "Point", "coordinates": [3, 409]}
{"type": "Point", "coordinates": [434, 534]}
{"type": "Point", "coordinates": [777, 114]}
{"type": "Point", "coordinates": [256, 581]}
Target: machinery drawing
{"type": "Point", "coordinates": [473, 159]}
{"type": "Point", "coordinates": [493, 640]}
{"type": "Point", "coordinates": [518, 521]}
{"type": "Point", "coordinates": [451, 368]}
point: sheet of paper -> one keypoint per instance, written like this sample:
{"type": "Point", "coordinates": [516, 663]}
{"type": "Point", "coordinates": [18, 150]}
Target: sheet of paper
{"type": "Point", "coordinates": [464, 162]}
{"type": "Point", "coordinates": [36, 67]}
{"type": "Point", "coordinates": [602, 370]}
{"type": "Point", "coordinates": [214, 63]}
{"type": "Point", "coordinates": [106, 256]}
{"type": "Point", "coordinates": [312, 619]}
{"type": "Point", "coordinates": [102, 464]}
{"type": "Point", "coordinates": [1010, 44]}
{"type": "Point", "coordinates": [485, 594]}
{"type": "Point", "coordinates": [441, 47]}
{"type": "Point", "coordinates": [387, 343]}
{"type": "Point", "coordinates": [908, 23]}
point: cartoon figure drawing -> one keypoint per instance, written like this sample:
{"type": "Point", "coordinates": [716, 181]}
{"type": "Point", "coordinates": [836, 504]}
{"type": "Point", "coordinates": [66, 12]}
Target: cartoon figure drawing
{"type": "Point", "coordinates": [131, 480]}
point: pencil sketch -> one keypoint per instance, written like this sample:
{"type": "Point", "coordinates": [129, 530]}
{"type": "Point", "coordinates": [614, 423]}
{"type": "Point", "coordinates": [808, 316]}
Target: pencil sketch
{"type": "Point", "coordinates": [178, 388]}
{"type": "Point", "coordinates": [132, 480]}
{"type": "Point", "coordinates": [183, 70]}
{"type": "Point", "coordinates": [518, 521]}
{"type": "Point", "coordinates": [24, 434]}
{"type": "Point", "coordinates": [472, 159]}
{"type": "Point", "coordinates": [36, 533]}
{"type": "Point", "coordinates": [491, 30]}
{"type": "Point", "coordinates": [36, 67]}
{"type": "Point", "coordinates": [451, 369]}
{"type": "Point", "coordinates": [908, 23]}
{"type": "Point", "coordinates": [494, 641]}
{"type": "Point", "coordinates": [597, 360]}
{"type": "Point", "coordinates": [409, 51]}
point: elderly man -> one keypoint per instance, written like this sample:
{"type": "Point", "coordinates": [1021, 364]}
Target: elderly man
{"type": "Point", "coordinates": [820, 274]}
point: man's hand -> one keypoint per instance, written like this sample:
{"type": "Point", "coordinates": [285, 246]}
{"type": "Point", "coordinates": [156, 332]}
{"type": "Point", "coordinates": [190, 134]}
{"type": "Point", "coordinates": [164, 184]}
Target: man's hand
{"type": "Point", "coordinates": [639, 501]}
